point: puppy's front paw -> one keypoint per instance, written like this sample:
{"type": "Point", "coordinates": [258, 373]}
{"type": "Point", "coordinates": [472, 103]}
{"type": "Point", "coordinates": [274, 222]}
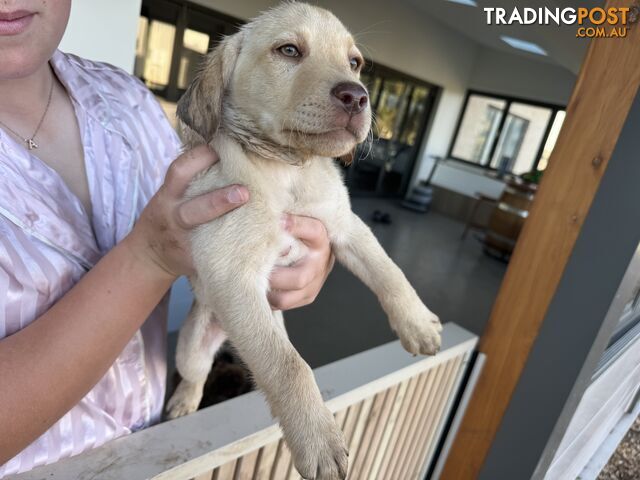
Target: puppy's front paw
{"type": "Point", "coordinates": [185, 399]}
{"type": "Point", "coordinates": [317, 447]}
{"type": "Point", "coordinates": [418, 329]}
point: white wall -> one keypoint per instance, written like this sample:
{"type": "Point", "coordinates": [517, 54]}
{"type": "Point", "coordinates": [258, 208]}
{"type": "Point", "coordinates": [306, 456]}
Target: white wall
{"type": "Point", "coordinates": [398, 36]}
{"type": "Point", "coordinates": [103, 30]}
{"type": "Point", "coordinates": [440, 132]}
{"type": "Point", "coordinates": [466, 180]}
{"type": "Point", "coordinates": [510, 74]}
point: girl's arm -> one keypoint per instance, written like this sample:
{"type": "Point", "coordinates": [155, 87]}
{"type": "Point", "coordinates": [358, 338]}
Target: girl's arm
{"type": "Point", "coordinates": [50, 365]}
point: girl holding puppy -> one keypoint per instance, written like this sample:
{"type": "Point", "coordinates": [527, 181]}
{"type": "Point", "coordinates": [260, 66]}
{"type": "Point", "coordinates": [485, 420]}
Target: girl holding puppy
{"type": "Point", "coordinates": [93, 232]}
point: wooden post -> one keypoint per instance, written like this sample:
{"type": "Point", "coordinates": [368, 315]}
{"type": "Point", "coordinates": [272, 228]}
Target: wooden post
{"type": "Point", "coordinates": [605, 89]}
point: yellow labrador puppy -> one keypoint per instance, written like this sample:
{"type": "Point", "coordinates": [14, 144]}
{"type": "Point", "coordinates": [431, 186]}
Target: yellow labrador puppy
{"type": "Point", "coordinates": [278, 101]}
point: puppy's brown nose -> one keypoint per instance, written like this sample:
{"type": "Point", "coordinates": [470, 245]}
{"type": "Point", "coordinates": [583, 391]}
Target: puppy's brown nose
{"type": "Point", "coordinates": [350, 96]}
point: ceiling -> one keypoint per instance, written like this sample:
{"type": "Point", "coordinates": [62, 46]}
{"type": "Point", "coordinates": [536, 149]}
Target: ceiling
{"type": "Point", "coordinates": [560, 42]}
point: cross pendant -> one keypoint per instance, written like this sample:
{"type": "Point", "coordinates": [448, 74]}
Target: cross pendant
{"type": "Point", "coordinates": [30, 143]}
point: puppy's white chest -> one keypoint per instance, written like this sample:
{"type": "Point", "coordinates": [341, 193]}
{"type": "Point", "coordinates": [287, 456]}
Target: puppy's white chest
{"type": "Point", "coordinates": [301, 191]}
{"type": "Point", "coordinates": [307, 192]}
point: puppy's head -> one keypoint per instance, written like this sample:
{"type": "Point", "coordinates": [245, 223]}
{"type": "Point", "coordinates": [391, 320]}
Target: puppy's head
{"type": "Point", "coordinates": [291, 77]}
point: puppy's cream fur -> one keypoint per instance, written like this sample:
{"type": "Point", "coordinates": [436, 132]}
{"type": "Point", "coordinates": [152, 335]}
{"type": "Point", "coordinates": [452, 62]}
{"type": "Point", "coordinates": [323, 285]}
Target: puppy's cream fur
{"type": "Point", "coordinates": [274, 125]}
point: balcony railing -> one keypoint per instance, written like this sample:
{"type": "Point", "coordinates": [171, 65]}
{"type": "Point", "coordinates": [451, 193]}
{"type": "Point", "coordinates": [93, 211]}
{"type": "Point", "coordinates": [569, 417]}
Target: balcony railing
{"type": "Point", "coordinates": [392, 408]}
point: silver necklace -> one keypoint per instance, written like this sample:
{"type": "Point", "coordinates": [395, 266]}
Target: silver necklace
{"type": "Point", "coordinates": [31, 141]}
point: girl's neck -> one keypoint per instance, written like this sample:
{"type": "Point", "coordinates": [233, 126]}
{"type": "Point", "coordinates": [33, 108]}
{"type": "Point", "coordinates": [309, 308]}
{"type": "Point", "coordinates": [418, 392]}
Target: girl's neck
{"type": "Point", "coordinates": [25, 96]}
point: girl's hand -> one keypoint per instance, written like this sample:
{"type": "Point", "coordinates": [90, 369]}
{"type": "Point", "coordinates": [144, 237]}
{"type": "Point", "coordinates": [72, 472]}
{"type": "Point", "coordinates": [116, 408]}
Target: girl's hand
{"type": "Point", "coordinates": [160, 237]}
{"type": "Point", "coordinates": [299, 284]}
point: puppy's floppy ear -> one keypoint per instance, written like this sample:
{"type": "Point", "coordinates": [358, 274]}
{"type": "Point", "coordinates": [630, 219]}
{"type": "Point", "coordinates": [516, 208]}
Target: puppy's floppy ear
{"type": "Point", "coordinates": [200, 108]}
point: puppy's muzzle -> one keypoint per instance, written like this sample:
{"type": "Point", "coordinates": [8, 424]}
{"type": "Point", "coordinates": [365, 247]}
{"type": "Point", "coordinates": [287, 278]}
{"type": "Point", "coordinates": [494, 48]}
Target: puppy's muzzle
{"type": "Point", "coordinates": [350, 96]}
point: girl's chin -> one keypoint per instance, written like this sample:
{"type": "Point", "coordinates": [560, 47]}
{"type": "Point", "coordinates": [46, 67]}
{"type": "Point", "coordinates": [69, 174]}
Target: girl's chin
{"type": "Point", "coordinates": [21, 61]}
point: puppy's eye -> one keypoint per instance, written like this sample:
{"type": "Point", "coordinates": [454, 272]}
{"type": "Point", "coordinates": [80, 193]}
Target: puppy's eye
{"type": "Point", "coordinates": [355, 63]}
{"type": "Point", "coordinates": [289, 50]}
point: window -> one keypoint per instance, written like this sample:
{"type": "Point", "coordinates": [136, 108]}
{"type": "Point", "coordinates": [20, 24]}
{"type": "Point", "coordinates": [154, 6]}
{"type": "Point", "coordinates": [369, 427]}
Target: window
{"type": "Point", "coordinates": [417, 109]}
{"type": "Point", "coordinates": [391, 108]}
{"type": "Point", "coordinates": [194, 45]}
{"type": "Point", "coordinates": [630, 316]}
{"type": "Point", "coordinates": [154, 52]}
{"type": "Point", "coordinates": [477, 133]}
{"type": "Point", "coordinates": [506, 135]}
{"type": "Point", "coordinates": [627, 330]}
{"type": "Point", "coordinates": [521, 138]}
{"type": "Point", "coordinates": [551, 139]}
{"type": "Point", "coordinates": [173, 36]}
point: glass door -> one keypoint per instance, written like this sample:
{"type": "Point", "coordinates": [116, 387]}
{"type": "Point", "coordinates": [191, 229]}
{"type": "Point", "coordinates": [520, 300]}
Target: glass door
{"type": "Point", "coordinates": [400, 108]}
{"type": "Point", "coordinates": [376, 159]}
{"type": "Point", "coordinates": [201, 33]}
{"type": "Point", "coordinates": [172, 39]}
{"type": "Point", "coordinates": [155, 44]}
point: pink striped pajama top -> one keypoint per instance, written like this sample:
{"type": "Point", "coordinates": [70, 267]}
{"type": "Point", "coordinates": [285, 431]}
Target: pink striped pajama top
{"type": "Point", "coordinates": [47, 243]}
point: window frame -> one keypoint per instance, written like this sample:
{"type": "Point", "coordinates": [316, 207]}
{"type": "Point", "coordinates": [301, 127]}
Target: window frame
{"type": "Point", "coordinates": [184, 14]}
{"type": "Point", "coordinates": [555, 108]}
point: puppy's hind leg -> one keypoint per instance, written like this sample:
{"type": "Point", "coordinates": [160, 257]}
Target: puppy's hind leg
{"type": "Point", "coordinates": [199, 339]}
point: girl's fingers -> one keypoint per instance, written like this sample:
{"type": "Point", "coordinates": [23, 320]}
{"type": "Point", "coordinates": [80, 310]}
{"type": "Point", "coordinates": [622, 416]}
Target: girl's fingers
{"type": "Point", "coordinates": [289, 300]}
{"type": "Point", "coordinates": [185, 167]}
{"type": "Point", "coordinates": [211, 205]}
{"type": "Point", "coordinates": [295, 277]}
{"type": "Point", "coordinates": [310, 230]}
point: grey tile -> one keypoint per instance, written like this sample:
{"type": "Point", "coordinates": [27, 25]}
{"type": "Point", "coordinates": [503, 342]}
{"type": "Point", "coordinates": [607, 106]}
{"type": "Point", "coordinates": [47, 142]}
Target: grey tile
{"type": "Point", "coordinates": [454, 278]}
